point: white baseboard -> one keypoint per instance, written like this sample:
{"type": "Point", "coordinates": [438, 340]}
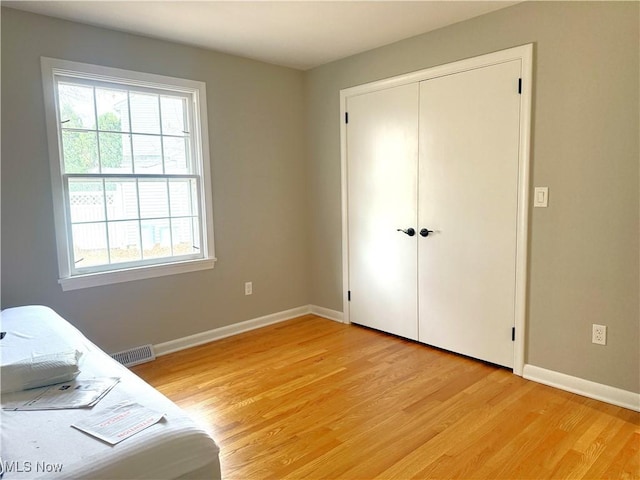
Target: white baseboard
{"type": "Point", "coordinates": [327, 313]}
{"type": "Point", "coordinates": [586, 388]}
{"type": "Point", "coordinates": [223, 332]}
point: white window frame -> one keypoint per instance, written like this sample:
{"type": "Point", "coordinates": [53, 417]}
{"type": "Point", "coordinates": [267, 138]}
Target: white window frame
{"type": "Point", "coordinates": [54, 68]}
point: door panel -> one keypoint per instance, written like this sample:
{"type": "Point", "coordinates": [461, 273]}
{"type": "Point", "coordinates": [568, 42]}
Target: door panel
{"type": "Point", "coordinates": [382, 153]}
{"type": "Point", "coordinates": [469, 137]}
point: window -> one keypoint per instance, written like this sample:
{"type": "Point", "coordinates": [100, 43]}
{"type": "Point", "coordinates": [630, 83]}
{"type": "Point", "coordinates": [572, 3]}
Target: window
{"type": "Point", "coordinates": [130, 173]}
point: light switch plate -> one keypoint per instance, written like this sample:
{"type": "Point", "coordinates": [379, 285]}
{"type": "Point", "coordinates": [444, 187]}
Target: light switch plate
{"type": "Point", "coordinates": [541, 197]}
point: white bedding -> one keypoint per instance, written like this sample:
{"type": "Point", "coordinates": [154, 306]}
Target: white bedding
{"type": "Point", "coordinates": [36, 443]}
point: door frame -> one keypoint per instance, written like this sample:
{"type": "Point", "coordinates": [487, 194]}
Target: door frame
{"type": "Point", "coordinates": [524, 53]}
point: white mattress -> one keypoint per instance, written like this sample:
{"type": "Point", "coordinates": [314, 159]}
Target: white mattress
{"type": "Point", "coordinates": [33, 443]}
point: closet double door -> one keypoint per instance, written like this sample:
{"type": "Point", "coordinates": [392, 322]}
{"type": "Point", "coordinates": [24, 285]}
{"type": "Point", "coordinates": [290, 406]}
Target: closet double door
{"type": "Point", "coordinates": [432, 196]}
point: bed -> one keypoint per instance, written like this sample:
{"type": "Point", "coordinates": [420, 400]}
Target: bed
{"type": "Point", "coordinates": [42, 443]}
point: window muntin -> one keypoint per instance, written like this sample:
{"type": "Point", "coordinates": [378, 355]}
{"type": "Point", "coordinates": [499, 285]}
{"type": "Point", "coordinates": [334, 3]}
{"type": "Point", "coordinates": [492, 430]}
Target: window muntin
{"type": "Point", "coordinates": [132, 177]}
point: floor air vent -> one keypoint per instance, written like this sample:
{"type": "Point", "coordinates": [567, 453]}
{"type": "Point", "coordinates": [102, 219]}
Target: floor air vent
{"type": "Point", "coordinates": [134, 356]}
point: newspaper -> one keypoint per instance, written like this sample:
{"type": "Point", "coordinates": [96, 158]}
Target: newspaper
{"type": "Point", "coordinates": [118, 422]}
{"type": "Point", "coordinates": [73, 394]}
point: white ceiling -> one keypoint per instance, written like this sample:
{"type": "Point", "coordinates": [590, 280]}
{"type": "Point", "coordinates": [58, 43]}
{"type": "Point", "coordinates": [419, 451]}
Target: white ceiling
{"type": "Point", "coordinates": [298, 34]}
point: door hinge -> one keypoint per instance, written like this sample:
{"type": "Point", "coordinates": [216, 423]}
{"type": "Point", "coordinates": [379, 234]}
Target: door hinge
{"type": "Point", "coordinates": [513, 334]}
{"type": "Point", "coordinates": [520, 86]}
{"type": "Point", "coordinates": [349, 295]}
{"type": "Point", "coordinates": [346, 117]}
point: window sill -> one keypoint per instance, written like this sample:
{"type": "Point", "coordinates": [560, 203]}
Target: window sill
{"type": "Point", "coordinates": [139, 273]}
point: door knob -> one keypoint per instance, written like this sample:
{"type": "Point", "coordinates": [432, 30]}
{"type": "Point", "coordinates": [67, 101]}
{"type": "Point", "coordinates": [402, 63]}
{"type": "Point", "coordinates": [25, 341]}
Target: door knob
{"type": "Point", "coordinates": [425, 232]}
{"type": "Point", "coordinates": [409, 231]}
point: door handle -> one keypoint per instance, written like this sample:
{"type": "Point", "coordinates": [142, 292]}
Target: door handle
{"type": "Point", "coordinates": [409, 231]}
{"type": "Point", "coordinates": [425, 232]}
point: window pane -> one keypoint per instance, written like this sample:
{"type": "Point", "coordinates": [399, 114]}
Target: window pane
{"type": "Point", "coordinates": [80, 151]}
{"type": "Point", "coordinates": [90, 244]}
{"type": "Point", "coordinates": [173, 115]}
{"type": "Point", "coordinates": [145, 113]}
{"type": "Point", "coordinates": [76, 106]}
{"type": "Point", "coordinates": [181, 193]}
{"type": "Point", "coordinates": [183, 236]}
{"type": "Point", "coordinates": [154, 202]}
{"type": "Point", "coordinates": [86, 200]}
{"type": "Point", "coordinates": [122, 199]}
{"type": "Point", "coordinates": [113, 112]}
{"type": "Point", "coordinates": [147, 154]}
{"type": "Point", "coordinates": [124, 241]}
{"type": "Point", "coordinates": [175, 155]}
{"type": "Point", "coordinates": [156, 238]}
{"type": "Point", "coordinates": [115, 152]}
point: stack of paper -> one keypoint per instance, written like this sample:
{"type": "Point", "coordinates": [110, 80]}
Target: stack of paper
{"type": "Point", "coordinates": [73, 394]}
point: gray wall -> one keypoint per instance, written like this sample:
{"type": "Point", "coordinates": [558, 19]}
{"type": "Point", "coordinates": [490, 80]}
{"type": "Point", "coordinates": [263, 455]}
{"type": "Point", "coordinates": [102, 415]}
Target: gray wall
{"type": "Point", "coordinates": [256, 115]}
{"type": "Point", "coordinates": [583, 265]}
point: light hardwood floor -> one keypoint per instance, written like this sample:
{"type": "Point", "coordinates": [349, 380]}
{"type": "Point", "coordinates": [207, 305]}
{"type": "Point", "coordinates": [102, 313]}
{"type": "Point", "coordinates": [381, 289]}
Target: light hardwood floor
{"type": "Point", "coordinates": [312, 398]}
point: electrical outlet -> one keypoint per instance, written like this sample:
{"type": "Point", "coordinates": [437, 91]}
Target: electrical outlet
{"type": "Point", "coordinates": [599, 334]}
{"type": "Point", "coordinates": [248, 288]}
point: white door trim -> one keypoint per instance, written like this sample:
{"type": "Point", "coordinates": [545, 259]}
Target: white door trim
{"type": "Point", "coordinates": [523, 53]}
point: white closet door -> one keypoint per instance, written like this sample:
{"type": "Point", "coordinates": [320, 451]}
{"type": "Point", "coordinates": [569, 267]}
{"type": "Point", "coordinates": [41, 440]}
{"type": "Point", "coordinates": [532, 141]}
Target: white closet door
{"type": "Point", "coordinates": [382, 152]}
{"type": "Point", "coordinates": [469, 134]}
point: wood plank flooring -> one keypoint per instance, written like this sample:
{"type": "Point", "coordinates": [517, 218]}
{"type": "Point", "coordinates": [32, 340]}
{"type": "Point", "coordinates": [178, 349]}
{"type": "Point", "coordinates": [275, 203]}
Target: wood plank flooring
{"type": "Point", "coordinates": [312, 398]}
